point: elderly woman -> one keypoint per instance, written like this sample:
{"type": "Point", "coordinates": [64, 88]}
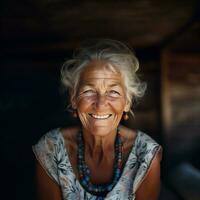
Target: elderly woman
{"type": "Point", "coordinates": [100, 159]}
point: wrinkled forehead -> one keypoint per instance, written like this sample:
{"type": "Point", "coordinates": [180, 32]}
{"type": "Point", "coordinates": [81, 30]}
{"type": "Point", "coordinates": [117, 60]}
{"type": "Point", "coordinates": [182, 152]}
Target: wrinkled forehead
{"type": "Point", "coordinates": [100, 70]}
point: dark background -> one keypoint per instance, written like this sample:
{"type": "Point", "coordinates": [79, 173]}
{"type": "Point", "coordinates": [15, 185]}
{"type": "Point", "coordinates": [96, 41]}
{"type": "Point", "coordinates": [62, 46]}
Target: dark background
{"type": "Point", "coordinates": [38, 36]}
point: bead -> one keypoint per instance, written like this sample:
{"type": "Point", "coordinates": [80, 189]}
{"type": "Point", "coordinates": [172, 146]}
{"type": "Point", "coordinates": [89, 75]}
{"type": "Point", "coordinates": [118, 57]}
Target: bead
{"type": "Point", "coordinates": [84, 171]}
{"type": "Point", "coordinates": [87, 178]}
{"type": "Point", "coordinates": [109, 188]}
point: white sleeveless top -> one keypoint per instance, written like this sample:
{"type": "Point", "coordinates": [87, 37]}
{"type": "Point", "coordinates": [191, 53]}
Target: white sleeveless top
{"type": "Point", "coordinates": [50, 151]}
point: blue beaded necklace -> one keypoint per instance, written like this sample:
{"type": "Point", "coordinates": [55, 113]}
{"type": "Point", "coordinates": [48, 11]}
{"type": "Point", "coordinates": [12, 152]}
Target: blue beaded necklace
{"type": "Point", "coordinates": [84, 171]}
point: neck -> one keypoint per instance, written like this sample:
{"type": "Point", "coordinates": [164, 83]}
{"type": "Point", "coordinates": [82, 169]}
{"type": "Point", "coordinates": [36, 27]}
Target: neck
{"type": "Point", "coordinates": [85, 167]}
{"type": "Point", "coordinates": [99, 147]}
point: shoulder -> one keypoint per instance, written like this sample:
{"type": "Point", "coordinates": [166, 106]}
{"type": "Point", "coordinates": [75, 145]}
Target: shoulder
{"type": "Point", "coordinates": [70, 137]}
{"type": "Point", "coordinates": [145, 145]}
{"type": "Point", "coordinates": [148, 153]}
{"type": "Point", "coordinates": [128, 135]}
{"type": "Point", "coordinates": [49, 139]}
{"type": "Point", "coordinates": [144, 137]}
{"type": "Point", "coordinates": [149, 185]}
{"type": "Point", "coordinates": [70, 134]}
{"type": "Point", "coordinates": [56, 135]}
{"type": "Point", "coordinates": [48, 152]}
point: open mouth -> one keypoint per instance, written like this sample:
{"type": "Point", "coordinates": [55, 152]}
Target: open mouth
{"type": "Point", "coordinates": [100, 116]}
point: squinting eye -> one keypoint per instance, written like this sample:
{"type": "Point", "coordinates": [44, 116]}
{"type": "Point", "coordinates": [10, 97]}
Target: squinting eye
{"type": "Point", "coordinates": [113, 93]}
{"type": "Point", "coordinates": [89, 92]}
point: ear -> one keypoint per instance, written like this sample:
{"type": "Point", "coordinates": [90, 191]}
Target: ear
{"type": "Point", "coordinates": [73, 103]}
{"type": "Point", "coordinates": [127, 107]}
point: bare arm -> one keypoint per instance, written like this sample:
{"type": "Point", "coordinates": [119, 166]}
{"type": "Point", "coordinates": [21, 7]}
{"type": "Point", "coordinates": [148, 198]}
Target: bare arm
{"type": "Point", "coordinates": [47, 189]}
{"type": "Point", "coordinates": [150, 187]}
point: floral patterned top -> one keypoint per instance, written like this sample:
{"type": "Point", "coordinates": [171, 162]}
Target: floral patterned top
{"type": "Point", "coordinates": [50, 151]}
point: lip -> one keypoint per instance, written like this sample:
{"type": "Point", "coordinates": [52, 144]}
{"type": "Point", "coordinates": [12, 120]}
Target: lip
{"type": "Point", "coordinates": [100, 117]}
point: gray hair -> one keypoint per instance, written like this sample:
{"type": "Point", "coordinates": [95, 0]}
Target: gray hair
{"type": "Point", "coordinates": [119, 57]}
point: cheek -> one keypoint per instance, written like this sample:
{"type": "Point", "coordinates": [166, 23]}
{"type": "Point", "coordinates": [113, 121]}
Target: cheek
{"type": "Point", "coordinates": [85, 103]}
{"type": "Point", "coordinates": [118, 105]}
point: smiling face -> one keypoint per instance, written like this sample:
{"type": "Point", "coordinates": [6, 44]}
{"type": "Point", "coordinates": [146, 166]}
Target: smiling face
{"type": "Point", "coordinates": [100, 101]}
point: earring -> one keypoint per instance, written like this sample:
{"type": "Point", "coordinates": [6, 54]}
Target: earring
{"type": "Point", "coordinates": [125, 116]}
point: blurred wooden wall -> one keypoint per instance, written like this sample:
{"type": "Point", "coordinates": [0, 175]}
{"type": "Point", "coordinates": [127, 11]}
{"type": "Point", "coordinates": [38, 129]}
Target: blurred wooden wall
{"type": "Point", "coordinates": [180, 92]}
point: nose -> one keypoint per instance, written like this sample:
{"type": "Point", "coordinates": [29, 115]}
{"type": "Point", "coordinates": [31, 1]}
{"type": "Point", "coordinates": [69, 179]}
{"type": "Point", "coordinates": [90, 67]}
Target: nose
{"type": "Point", "coordinates": [101, 101]}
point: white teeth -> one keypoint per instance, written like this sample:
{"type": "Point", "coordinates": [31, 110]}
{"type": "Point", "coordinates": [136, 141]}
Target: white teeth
{"type": "Point", "coordinates": [100, 116]}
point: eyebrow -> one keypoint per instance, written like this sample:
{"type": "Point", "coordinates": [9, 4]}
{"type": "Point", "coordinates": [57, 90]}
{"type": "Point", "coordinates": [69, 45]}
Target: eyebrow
{"type": "Point", "coordinates": [92, 85]}
{"type": "Point", "coordinates": [115, 84]}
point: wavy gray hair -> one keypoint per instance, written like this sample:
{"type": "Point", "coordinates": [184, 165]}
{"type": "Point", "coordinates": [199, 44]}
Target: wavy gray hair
{"type": "Point", "coordinates": [119, 57]}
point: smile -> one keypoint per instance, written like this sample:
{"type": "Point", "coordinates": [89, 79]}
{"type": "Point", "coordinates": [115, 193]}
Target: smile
{"type": "Point", "coordinates": [100, 116]}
